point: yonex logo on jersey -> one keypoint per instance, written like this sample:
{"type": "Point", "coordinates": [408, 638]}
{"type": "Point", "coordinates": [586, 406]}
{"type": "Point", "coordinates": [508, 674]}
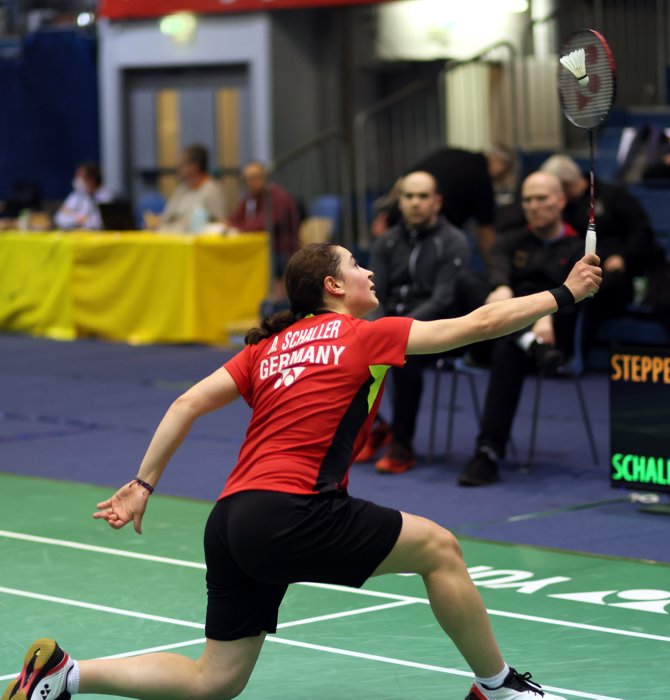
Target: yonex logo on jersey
{"type": "Point", "coordinates": [288, 376]}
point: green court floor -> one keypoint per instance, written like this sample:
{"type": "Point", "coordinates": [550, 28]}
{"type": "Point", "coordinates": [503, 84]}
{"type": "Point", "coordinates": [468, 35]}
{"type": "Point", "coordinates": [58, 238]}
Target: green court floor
{"type": "Point", "coordinates": [585, 626]}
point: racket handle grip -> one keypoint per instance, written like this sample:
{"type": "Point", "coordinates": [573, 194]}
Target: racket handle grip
{"type": "Point", "coordinates": [590, 245]}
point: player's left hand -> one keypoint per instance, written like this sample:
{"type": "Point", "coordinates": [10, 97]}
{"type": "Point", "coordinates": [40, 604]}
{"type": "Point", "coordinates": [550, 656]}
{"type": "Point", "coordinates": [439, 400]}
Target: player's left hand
{"type": "Point", "coordinates": [128, 503]}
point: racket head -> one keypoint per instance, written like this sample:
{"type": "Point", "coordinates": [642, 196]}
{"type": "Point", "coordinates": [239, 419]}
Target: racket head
{"type": "Point", "coordinates": [588, 106]}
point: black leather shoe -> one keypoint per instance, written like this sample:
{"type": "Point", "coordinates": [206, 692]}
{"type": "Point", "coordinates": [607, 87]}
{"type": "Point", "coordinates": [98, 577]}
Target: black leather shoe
{"type": "Point", "coordinates": [481, 470]}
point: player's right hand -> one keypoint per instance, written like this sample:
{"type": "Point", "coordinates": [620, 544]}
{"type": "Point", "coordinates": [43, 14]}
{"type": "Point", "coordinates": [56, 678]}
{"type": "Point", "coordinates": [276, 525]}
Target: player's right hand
{"type": "Point", "coordinates": [585, 277]}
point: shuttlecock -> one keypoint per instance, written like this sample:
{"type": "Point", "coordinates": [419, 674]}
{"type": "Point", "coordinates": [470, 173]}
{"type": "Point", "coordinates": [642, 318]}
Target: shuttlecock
{"type": "Point", "coordinates": [575, 62]}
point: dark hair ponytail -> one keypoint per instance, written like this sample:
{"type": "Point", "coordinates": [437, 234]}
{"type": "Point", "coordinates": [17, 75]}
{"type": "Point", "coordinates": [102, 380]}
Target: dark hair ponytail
{"type": "Point", "coordinates": [303, 280]}
{"type": "Point", "coordinates": [269, 326]}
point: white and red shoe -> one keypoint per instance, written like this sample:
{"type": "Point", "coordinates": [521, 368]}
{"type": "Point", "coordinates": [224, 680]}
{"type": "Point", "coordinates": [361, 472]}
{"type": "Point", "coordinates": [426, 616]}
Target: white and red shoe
{"type": "Point", "coordinates": [515, 687]}
{"type": "Point", "coordinates": [44, 676]}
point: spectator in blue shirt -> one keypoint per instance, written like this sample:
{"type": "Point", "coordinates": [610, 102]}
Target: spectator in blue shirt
{"type": "Point", "coordinates": [80, 209]}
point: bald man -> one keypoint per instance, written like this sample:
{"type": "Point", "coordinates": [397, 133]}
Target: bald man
{"type": "Point", "coordinates": [533, 259]}
{"type": "Point", "coordinates": [417, 265]}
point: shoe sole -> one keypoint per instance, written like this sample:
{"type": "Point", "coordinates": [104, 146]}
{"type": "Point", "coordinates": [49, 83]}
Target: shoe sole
{"type": "Point", "coordinates": [37, 662]}
{"type": "Point", "coordinates": [474, 694]}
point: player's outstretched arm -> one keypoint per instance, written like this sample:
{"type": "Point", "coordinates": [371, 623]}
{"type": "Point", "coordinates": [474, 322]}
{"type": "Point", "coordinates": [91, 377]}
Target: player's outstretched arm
{"type": "Point", "coordinates": [502, 317]}
{"type": "Point", "coordinates": [129, 502]}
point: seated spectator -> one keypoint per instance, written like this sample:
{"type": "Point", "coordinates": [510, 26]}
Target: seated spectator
{"type": "Point", "coordinates": [416, 264]}
{"type": "Point", "coordinates": [625, 245]}
{"type": "Point", "coordinates": [533, 259]}
{"type": "Point", "coordinates": [197, 200]}
{"type": "Point", "coordinates": [268, 207]}
{"type": "Point", "coordinates": [468, 182]}
{"type": "Point", "coordinates": [80, 209]}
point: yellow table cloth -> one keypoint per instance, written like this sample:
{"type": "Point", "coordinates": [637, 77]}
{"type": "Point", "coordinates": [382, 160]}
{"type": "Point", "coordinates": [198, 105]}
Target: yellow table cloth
{"type": "Point", "coordinates": [134, 287]}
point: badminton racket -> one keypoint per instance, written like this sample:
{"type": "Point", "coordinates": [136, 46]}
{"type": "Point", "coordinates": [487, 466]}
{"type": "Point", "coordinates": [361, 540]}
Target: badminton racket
{"type": "Point", "coordinates": [587, 87]}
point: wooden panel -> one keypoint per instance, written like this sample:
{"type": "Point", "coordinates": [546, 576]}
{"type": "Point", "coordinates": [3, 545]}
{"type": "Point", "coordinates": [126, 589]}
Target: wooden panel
{"type": "Point", "coordinates": [167, 137]}
{"type": "Point", "coordinates": [228, 142]}
{"type": "Point", "coordinates": [468, 106]}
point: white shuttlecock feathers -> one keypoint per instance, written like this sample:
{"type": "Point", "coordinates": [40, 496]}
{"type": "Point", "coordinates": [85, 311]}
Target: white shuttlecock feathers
{"type": "Point", "coordinates": [575, 62]}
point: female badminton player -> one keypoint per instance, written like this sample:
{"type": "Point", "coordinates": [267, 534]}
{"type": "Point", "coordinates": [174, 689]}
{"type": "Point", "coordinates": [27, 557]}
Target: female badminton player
{"type": "Point", "coordinates": [313, 377]}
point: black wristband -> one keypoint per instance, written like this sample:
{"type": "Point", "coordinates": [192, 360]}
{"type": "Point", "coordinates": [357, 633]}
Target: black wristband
{"type": "Point", "coordinates": [144, 484]}
{"type": "Point", "coordinates": [563, 296]}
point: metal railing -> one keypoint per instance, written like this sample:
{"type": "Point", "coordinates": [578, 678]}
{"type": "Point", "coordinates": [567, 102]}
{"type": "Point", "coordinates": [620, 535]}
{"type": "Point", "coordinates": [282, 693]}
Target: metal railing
{"type": "Point", "coordinates": [405, 126]}
{"type": "Point", "coordinates": [319, 166]}
{"type": "Point", "coordinates": [400, 129]}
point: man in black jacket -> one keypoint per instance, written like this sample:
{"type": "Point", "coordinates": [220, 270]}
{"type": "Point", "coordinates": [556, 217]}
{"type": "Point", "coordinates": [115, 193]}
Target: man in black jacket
{"type": "Point", "coordinates": [531, 259]}
{"type": "Point", "coordinates": [417, 264]}
{"type": "Point", "coordinates": [469, 182]}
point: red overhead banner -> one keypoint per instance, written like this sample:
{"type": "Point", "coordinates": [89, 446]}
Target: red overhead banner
{"type": "Point", "coordinates": [127, 9]}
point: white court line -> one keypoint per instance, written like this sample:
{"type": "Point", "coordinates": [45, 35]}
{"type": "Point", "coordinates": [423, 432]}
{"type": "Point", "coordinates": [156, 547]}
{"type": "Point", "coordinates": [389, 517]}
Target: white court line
{"type": "Point", "coordinates": [423, 667]}
{"type": "Point", "coordinates": [579, 625]}
{"type": "Point", "coordinates": [153, 650]}
{"type": "Point", "coordinates": [333, 587]}
{"type": "Point", "coordinates": [100, 550]}
{"type": "Point", "coordinates": [349, 613]}
{"type": "Point", "coordinates": [364, 592]}
{"type": "Point", "coordinates": [503, 613]}
{"type": "Point", "coordinates": [100, 608]}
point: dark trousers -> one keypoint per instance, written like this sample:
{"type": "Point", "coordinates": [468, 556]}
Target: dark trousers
{"type": "Point", "coordinates": [509, 366]}
{"type": "Point", "coordinates": [469, 292]}
{"type": "Point", "coordinates": [615, 293]}
{"type": "Point", "coordinates": [406, 397]}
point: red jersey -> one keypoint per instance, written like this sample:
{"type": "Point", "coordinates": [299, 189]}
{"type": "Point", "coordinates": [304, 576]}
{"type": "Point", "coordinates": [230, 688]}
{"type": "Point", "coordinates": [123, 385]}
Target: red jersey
{"type": "Point", "coordinates": [314, 389]}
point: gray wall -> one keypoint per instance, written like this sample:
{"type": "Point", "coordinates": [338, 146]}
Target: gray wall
{"type": "Point", "coordinates": [308, 98]}
{"type": "Point", "coordinates": [295, 79]}
{"type": "Point", "coordinates": [638, 31]}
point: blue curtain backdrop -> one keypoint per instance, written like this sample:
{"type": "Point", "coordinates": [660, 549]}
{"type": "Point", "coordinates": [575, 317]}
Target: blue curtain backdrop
{"type": "Point", "coordinates": [48, 111]}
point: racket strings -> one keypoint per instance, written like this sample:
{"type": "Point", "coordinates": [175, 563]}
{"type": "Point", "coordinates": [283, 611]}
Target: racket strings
{"type": "Point", "coordinates": [587, 106]}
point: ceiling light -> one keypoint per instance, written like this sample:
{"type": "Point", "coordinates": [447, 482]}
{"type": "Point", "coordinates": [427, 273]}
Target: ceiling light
{"type": "Point", "coordinates": [180, 26]}
{"type": "Point", "coordinates": [84, 19]}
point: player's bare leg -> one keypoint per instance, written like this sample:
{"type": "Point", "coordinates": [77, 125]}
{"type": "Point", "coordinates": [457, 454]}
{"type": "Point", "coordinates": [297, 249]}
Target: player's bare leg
{"type": "Point", "coordinates": [221, 672]}
{"type": "Point", "coordinates": [425, 548]}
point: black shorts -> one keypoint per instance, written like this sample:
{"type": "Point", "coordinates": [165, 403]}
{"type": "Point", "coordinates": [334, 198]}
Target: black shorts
{"type": "Point", "coordinates": [257, 542]}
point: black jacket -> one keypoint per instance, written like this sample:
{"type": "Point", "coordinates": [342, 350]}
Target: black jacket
{"type": "Point", "coordinates": [528, 264]}
{"type": "Point", "coordinates": [416, 270]}
{"type": "Point", "coordinates": [622, 225]}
